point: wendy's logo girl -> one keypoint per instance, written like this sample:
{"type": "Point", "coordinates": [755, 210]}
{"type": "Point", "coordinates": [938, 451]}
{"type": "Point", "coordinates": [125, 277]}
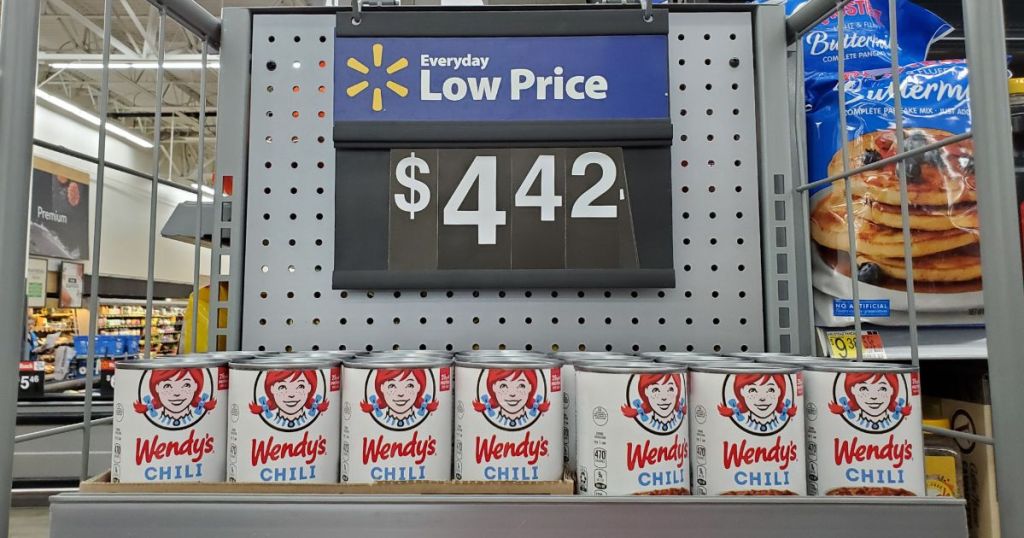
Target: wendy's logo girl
{"type": "Point", "coordinates": [873, 402]}
{"type": "Point", "coordinates": [761, 404]}
{"type": "Point", "coordinates": [291, 399]}
{"type": "Point", "coordinates": [512, 399]}
{"type": "Point", "coordinates": [657, 402]}
{"type": "Point", "coordinates": [400, 399]}
{"type": "Point", "coordinates": [175, 399]}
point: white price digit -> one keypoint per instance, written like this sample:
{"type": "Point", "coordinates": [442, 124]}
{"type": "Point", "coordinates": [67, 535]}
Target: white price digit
{"type": "Point", "coordinates": [583, 207]}
{"type": "Point", "coordinates": [486, 217]}
{"type": "Point", "coordinates": [547, 200]}
{"type": "Point", "coordinates": [25, 382]}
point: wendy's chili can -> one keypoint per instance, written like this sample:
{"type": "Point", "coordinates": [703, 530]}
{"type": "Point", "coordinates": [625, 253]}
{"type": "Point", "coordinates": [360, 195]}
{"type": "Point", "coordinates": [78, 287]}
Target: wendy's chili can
{"type": "Point", "coordinates": [285, 420]}
{"type": "Point", "coordinates": [396, 419]}
{"type": "Point", "coordinates": [508, 419]}
{"type": "Point", "coordinates": [169, 420]}
{"type": "Point", "coordinates": [747, 429]}
{"type": "Point", "coordinates": [864, 429]}
{"type": "Point", "coordinates": [632, 428]}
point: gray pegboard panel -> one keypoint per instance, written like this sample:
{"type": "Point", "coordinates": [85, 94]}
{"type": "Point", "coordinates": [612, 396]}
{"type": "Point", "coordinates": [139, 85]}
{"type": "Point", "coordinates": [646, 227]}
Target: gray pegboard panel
{"type": "Point", "coordinates": [288, 300]}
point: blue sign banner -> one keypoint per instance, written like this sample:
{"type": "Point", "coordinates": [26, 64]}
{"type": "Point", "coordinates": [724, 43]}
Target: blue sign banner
{"type": "Point", "coordinates": [623, 77]}
{"type": "Point", "coordinates": [869, 308]}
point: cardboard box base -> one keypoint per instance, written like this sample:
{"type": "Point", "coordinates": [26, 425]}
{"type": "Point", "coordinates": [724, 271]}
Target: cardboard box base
{"type": "Point", "coordinates": [102, 484]}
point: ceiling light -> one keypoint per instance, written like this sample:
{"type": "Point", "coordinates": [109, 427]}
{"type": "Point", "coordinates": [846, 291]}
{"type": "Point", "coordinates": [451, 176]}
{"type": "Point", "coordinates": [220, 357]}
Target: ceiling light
{"type": "Point", "coordinates": [206, 189]}
{"type": "Point", "coordinates": [133, 65]}
{"type": "Point", "coordinates": [93, 119]}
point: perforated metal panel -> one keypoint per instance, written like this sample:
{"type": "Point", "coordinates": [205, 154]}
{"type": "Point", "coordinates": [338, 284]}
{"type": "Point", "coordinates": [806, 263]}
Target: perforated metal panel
{"type": "Point", "coordinates": [288, 300]}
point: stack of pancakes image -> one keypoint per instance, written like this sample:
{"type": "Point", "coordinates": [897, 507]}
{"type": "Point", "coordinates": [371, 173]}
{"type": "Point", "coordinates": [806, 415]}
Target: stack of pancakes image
{"type": "Point", "coordinates": [943, 215]}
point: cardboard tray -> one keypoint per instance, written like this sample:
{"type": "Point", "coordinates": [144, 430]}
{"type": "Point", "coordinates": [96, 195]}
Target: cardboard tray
{"type": "Point", "coordinates": [101, 484]}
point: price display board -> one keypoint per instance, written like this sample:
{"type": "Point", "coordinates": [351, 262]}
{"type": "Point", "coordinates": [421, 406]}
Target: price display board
{"type": "Point", "coordinates": [842, 344]}
{"type": "Point", "coordinates": [479, 149]}
{"type": "Point", "coordinates": [31, 379]}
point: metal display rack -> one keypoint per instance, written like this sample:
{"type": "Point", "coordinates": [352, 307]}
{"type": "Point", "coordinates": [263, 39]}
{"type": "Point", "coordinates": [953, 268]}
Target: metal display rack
{"type": "Point", "coordinates": [766, 305]}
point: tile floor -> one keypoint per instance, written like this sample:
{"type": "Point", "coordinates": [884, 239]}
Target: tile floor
{"type": "Point", "coordinates": [30, 522]}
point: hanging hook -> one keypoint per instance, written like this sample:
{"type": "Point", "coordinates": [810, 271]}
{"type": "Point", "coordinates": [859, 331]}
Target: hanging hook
{"type": "Point", "coordinates": [357, 12]}
{"type": "Point", "coordinates": [648, 10]}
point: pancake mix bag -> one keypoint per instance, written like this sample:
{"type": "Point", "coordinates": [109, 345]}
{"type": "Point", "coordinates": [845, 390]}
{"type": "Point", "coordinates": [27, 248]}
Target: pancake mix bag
{"type": "Point", "coordinates": [941, 193]}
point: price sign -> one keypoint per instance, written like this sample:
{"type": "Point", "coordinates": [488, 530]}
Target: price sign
{"type": "Point", "coordinates": [843, 344]}
{"type": "Point", "coordinates": [31, 379]}
{"type": "Point", "coordinates": [512, 157]}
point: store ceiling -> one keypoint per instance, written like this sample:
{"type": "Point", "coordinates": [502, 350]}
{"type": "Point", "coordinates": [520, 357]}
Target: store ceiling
{"type": "Point", "coordinates": [71, 31]}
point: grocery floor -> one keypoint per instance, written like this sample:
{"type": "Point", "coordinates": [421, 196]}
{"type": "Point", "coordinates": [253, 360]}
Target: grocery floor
{"type": "Point", "coordinates": [30, 522]}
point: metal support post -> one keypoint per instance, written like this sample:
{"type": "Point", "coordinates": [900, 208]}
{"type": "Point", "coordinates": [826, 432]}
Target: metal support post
{"type": "Point", "coordinates": [193, 17]}
{"type": "Point", "coordinates": [1000, 245]}
{"type": "Point", "coordinates": [147, 335]}
{"type": "Point", "coordinates": [19, 41]}
{"type": "Point", "coordinates": [199, 201]}
{"type": "Point", "coordinates": [97, 240]}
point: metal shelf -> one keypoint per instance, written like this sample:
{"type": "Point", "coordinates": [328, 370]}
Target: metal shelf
{"type": "Point", "coordinates": [82, 515]}
{"type": "Point", "coordinates": [936, 343]}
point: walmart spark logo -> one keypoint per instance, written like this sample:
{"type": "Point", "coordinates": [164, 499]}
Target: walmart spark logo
{"type": "Point", "coordinates": [378, 58]}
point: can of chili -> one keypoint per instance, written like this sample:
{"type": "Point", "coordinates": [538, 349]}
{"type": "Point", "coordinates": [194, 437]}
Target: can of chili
{"type": "Point", "coordinates": [285, 420]}
{"type": "Point", "coordinates": [169, 420]}
{"type": "Point", "coordinates": [396, 419]}
{"type": "Point", "coordinates": [864, 429]}
{"type": "Point", "coordinates": [633, 429]}
{"type": "Point", "coordinates": [747, 429]}
{"type": "Point", "coordinates": [508, 419]}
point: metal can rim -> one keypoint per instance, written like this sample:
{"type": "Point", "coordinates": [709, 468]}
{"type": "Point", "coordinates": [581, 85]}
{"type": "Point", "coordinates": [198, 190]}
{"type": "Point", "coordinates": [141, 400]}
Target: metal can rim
{"type": "Point", "coordinates": [368, 363]}
{"type": "Point", "coordinates": [271, 363]}
{"type": "Point", "coordinates": [498, 362]}
{"type": "Point", "coordinates": [860, 366]}
{"type": "Point", "coordinates": [166, 364]}
{"type": "Point", "coordinates": [633, 367]}
{"type": "Point", "coordinates": [725, 367]}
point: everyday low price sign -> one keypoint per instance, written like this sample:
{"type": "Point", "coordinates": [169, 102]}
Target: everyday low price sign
{"type": "Point", "coordinates": [501, 78]}
{"type": "Point", "coordinates": [522, 148]}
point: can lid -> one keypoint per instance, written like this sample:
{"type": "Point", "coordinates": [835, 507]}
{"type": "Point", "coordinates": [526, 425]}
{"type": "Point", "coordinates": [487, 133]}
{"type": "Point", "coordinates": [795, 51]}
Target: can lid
{"type": "Point", "coordinates": [168, 363]}
{"type": "Point", "coordinates": [695, 359]}
{"type": "Point", "coordinates": [754, 355]}
{"type": "Point", "coordinates": [396, 362]}
{"type": "Point", "coordinates": [791, 359]}
{"type": "Point", "coordinates": [572, 357]}
{"type": "Point", "coordinates": [659, 354]}
{"type": "Point", "coordinates": [284, 363]}
{"type": "Point", "coordinates": [726, 367]}
{"type": "Point", "coordinates": [511, 363]}
{"type": "Point", "coordinates": [860, 366]}
{"type": "Point", "coordinates": [204, 358]}
{"type": "Point", "coordinates": [507, 358]}
{"type": "Point", "coordinates": [416, 352]}
{"type": "Point", "coordinates": [310, 355]}
{"type": "Point", "coordinates": [629, 367]}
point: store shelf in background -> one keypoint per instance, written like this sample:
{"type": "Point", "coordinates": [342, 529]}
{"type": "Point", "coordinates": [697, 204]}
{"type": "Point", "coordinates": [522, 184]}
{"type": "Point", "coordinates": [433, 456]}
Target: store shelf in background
{"type": "Point", "coordinates": [81, 515]}
{"type": "Point", "coordinates": [935, 343]}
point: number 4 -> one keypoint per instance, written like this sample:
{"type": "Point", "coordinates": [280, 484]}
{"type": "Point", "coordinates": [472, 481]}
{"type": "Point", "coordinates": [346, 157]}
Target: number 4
{"type": "Point", "coordinates": [486, 218]}
{"type": "Point", "coordinates": [547, 200]}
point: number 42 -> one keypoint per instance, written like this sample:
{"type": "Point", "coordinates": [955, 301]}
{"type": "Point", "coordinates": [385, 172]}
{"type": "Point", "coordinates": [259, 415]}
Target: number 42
{"type": "Point", "coordinates": [487, 217]}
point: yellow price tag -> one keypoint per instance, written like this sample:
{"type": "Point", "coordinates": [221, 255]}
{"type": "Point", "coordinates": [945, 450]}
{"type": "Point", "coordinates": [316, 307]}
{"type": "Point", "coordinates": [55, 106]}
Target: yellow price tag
{"type": "Point", "coordinates": [843, 345]}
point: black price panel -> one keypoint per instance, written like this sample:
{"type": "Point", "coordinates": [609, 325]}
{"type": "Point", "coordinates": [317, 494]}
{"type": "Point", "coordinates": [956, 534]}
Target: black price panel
{"type": "Point", "coordinates": [534, 159]}
{"type": "Point", "coordinates": [31, 379]}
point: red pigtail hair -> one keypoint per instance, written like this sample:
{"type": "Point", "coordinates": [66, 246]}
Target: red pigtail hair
{"type": "Point", "coordinates": [479, 406]}
{"type": "Point", "coordinates": [724, 410]}
{"type": "Point", "coordinates": [629, 411]}
{"type": "Point", "coordinates": [432, 406]}
{"type": "Point", "coordinates": [140, 407]}
{"type": "Point", "coordinates": [322, 406]}
{"type": "Point", "coordinates": [366, 407]}
{"type": "Point", "coordinates": [210, 404]}
{"type": "Point", "coordinates": [255, 408]}
{"type": "Point", "coordinates": [835, 408]}
{"type": "Point", "coordinates": [544, 406]}
{"type": "Point", "coordinates": [907, 409]}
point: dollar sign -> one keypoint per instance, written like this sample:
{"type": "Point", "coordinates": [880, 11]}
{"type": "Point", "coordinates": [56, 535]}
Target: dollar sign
{"type": "Point", "coordinates": [419, 195]}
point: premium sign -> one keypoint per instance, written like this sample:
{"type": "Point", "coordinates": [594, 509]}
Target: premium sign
{"type": "Point", "coordinates": [59, 212]}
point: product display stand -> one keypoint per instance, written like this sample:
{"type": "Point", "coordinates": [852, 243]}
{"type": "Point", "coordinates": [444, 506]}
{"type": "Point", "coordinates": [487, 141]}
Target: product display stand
{"type": "Point", "coordinates": [438, 516]}
{"type": "Point", "coordinates": [741, 262]}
